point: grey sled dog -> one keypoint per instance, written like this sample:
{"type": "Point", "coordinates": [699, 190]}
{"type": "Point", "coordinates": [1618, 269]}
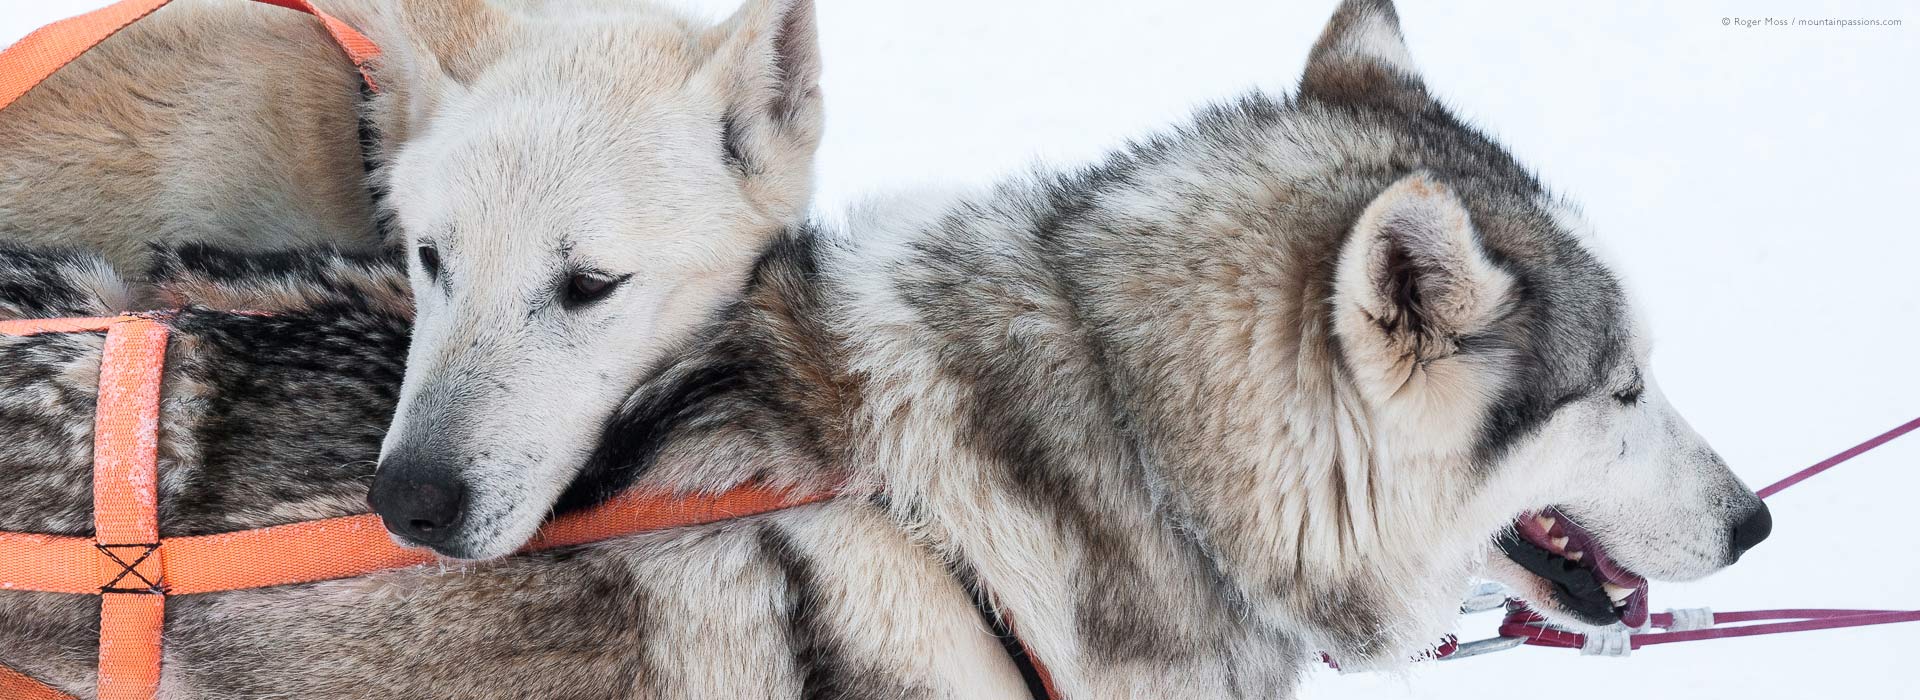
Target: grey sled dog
{"type": "Point", "coordinates": [1276, 381]}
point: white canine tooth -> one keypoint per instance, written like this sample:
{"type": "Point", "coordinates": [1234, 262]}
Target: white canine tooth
{"type": "Point", "coordinates": [1559, 543]}
{"type": "Point", "coordinates": [1617, 593]}
{"type": "Point", "coordinates": [1576, 555]}
{"type": "Point", "coordinates": [1546, 523]}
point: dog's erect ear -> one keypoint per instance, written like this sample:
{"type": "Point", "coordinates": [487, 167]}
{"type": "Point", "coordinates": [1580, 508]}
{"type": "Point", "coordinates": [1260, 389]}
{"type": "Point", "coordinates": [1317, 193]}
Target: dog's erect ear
{"type": "Point", "coordinates": [1412, 281]}
{"type": "Point", "coordinates": [766, 58]}
{"type": "Point", "coordinates": [461, 36]}
{"type": "Point", "coordinates": [770, 53]}
{"type": "Point", "coordinates": [1362, 58]}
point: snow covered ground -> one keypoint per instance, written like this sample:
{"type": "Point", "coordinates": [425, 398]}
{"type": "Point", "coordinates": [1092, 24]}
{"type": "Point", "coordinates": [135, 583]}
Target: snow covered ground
{"type": "Point", "coordinates": [1754, 183]}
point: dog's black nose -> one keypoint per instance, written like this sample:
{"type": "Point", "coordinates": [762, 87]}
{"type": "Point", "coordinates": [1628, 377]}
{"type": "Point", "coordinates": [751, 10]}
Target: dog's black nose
{"type": "Point", "coordinates": [1752, 531]}
{"type": "Point", "coordinates": [424, 511]}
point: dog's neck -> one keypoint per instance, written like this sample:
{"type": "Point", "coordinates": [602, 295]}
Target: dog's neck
{"type": "Point", "coordinates": [1171, 390]}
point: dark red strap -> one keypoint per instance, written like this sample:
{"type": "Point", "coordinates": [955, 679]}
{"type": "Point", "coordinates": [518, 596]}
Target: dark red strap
{"type": "Point", "coordinates": [1526, 624]}
{"type": "Point", "coordinates": [1831, 462]}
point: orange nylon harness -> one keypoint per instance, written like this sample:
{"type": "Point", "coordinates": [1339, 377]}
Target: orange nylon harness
{"type": "Point", "coordinates": [134, 570]}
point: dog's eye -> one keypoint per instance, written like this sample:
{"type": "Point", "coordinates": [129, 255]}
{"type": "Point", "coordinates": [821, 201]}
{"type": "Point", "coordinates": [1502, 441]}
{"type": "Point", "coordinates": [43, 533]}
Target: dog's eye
{"type": "Point", "coordinates": [430, 261]}
{"type": "Point", "coordinates": [583, 288]}
{"type": "Point", "coordinates": [1630, 396]}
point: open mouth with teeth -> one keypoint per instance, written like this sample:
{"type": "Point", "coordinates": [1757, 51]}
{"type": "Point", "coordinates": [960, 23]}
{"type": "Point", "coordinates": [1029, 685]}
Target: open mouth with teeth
{"type": "Point", "coordinates": [1580, 576]}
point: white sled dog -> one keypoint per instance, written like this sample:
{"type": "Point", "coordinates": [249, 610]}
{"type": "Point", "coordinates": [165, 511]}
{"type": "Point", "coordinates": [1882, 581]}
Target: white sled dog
{"type": "Point", "coordinates": [1276, 381]}
{"type": "Point", "coordinates": [576, 180]}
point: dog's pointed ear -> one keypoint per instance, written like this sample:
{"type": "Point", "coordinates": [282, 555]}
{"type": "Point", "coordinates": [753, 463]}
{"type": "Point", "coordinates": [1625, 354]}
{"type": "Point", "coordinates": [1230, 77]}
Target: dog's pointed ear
{"type": "Point", "coordinates": [770, 53]}
{"type": "Point", "coordinates": [1413, 280]}
{"type": "Point", "coordinates": [1362, 58]}
{"type": "Point", "coordinates": [766, 59]}
{"type": "Point", "coordinates": [462, 37]}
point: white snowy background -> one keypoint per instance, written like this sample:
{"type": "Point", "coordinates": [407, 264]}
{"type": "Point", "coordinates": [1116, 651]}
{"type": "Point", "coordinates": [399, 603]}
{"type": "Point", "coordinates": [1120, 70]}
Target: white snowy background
{"type": "Point", "coordinates": [1757, 186]}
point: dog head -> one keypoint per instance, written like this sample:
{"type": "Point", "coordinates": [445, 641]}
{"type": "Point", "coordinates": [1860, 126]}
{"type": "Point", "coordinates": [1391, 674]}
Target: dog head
{"type": "Point", "coordinates": [577, 193]}
{"type": "Point", "coordinates": [1496, 340]}
{"type": "Point", "coordinates": [1501, 364]}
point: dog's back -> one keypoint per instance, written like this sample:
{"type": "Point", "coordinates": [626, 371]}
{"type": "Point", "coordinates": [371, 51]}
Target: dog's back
{"type": "Point", "coordinates": [227, 121]}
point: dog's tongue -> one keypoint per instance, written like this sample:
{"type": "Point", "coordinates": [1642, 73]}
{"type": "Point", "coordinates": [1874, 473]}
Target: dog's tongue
{"type": "Point", "coordinates": [1635, 616]}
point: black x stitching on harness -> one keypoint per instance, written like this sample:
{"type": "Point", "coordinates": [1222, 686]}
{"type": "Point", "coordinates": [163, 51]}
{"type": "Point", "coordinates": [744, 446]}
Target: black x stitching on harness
{"type": "Point", "coordinates": [145, 551]}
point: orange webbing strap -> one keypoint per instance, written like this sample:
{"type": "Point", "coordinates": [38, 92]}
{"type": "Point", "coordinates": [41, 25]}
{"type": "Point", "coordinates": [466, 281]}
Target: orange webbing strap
{"type": "Point", "coordinates": [634, 513]}
{"type": "Point", "coordinates": [121, 562]}
{"type": "Point", "coordinates": [357, 46]}
{"type": "Point", "coordinates": [357, 545]}
{"type": "Point", "coordinates": [37, 326]}
{"type": "Point", "coordinates": [320, 550]}
{"type": "Point", "coordinates": [126, 528]}
{"type": "Point", "coordinates": [37, 56]}
{"type": "Point", "coordinates": [14, 686]}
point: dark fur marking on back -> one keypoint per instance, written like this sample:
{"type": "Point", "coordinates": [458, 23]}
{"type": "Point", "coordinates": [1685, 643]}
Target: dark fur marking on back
{"type": "Point", "coordinates": [306, 264]}
{"type": "Point", "coordinates": [38, 283]}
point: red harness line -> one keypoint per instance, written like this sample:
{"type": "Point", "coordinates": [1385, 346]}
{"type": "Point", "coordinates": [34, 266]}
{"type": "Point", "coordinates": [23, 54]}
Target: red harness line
{"type": "Point", "coordinates": [1523, 623]}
